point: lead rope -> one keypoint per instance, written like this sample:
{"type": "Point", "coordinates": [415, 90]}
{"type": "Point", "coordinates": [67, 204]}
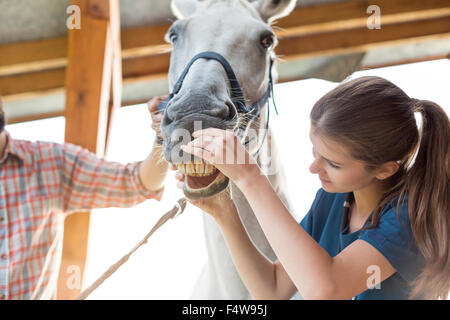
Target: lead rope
{"type": "Point", "coordinates": [172, 214]}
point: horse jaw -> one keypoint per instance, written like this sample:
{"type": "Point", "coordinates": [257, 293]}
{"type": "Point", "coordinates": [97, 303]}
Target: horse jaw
{"type": "Point", "coordinates": [220, 183]}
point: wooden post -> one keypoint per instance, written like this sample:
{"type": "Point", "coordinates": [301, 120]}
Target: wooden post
{"type": "Point", "coordinates": [91, 52]}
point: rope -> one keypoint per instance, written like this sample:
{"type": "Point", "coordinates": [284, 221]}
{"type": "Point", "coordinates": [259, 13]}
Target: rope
{"type": "Point", "coordinates": [171, 214]}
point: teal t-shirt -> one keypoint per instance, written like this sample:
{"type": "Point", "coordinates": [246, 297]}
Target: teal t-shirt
{"type": "Point", "coordinates": [327, 223]}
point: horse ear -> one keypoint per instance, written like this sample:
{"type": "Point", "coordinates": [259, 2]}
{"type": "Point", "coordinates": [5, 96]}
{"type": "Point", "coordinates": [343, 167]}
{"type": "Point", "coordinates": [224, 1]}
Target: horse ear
{"type": "Point", "coordinates": [184, 8]}
{"type": "Point", "coordinates": [271, 10]}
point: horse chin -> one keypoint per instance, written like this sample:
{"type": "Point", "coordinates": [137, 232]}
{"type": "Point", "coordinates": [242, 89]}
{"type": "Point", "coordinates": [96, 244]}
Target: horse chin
{"type": "Point", "coordinates": [196, 188]}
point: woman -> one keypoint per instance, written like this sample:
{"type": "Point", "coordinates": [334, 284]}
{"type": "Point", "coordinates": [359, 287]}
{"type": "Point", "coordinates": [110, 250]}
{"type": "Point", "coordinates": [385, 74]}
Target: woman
{"type": "Point", "coordinates": [379, 227]}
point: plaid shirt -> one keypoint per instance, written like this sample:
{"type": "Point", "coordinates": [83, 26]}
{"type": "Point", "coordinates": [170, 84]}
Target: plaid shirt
{"type": "Point", "coordinates": [40, 183]}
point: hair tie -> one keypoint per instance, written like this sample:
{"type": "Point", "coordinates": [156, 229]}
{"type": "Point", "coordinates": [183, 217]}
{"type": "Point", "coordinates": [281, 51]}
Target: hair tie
{"type": "Point", "coordinates": [416, 105]}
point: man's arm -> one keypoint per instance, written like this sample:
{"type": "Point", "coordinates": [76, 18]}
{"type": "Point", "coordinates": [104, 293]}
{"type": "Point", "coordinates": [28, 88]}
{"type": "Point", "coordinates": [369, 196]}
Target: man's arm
{"type": "Point", "coordinates": [89, 182]}
{"type": "Point", "coordinates": [153, 170]}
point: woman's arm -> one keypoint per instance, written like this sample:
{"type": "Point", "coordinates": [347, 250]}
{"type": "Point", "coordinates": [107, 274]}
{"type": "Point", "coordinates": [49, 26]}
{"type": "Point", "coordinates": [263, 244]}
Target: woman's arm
{"type": "Point", "coordinates": [305, 261]}
{"type": "Point", "coordinates": [264, 279]}
{"type": "Point", "coordinates": [314, 272]}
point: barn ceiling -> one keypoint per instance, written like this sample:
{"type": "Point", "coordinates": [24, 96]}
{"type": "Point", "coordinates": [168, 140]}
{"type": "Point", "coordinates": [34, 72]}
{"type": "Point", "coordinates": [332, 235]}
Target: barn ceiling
{"type": "Point", "coordinates": [28, 21]}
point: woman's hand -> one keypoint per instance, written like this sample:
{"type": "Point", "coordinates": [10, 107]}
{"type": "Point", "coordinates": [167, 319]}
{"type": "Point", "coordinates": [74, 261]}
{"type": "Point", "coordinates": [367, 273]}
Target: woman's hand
{"type": "Point", "coordinates": [156, 115]}
{"type": "Point", "coordinates": [223, 150]}
{"type": "Point", "coordinates": [219, 206]}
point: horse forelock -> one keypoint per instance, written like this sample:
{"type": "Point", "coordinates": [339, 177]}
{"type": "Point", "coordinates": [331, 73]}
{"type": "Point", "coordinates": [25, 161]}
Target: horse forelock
{"type": "Point", "coordinates": [245, 4]}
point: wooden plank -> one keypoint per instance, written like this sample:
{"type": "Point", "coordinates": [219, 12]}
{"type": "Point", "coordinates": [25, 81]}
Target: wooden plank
{"type": "Point", "coordinates": [115, 100]}
{"type": "Point", "coordinates": [32, 82]}
{"type": "Point", "coordinates": [29, 52]}
{"type": "Point", "coordinates": [33, 117]}
{"type": "Point", "coordinates": [353, 14]}
{"type": "Point", "coordinates": [88, 84]}
{"type": "Point", "coordinates": [361, 39]}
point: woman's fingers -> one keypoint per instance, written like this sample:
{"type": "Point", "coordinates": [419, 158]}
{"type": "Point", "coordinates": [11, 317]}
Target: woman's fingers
{"type": "Point", "coordinates": [214, 132]}
{"type": "Point", "coordinates": [179, 176]}
{"type": "Point", "coordinates": [199, 152]}
{"type": "Point", "coordinates": [202, 142]}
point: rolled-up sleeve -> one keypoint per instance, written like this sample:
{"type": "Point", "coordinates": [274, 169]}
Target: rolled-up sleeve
{"type": "Point", "coordinates": [89, 182]}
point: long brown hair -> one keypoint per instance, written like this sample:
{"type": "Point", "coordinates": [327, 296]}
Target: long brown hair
{"type": "Point", "coordinates": [376, 120]}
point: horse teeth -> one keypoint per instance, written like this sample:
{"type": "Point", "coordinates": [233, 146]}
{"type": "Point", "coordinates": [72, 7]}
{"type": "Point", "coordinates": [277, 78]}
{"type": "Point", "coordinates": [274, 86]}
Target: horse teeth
{"type": "Point", "coordinates": [196, 170]}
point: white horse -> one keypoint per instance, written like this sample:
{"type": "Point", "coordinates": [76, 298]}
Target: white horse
{"type": "Point", "coordinates": [238, 31]}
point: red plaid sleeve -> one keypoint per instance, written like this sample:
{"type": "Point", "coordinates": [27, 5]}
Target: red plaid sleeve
{"type": "Point", "coordinates": [89, 182]}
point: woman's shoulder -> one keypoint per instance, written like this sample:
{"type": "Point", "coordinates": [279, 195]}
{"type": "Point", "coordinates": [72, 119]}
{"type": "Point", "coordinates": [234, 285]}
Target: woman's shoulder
{"type": "Point", "coordinates": [328, 200]}
{"type": "Point", "coordinates": [396, 209]}
{"type": "Point", "coordinates": [324, 213]}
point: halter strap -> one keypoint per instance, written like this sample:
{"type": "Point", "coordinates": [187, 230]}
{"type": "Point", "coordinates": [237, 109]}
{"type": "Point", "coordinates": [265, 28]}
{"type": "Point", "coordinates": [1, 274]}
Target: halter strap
{"type": "Point", "coordinates": [236, 92]}
{"type": "Point", "coordinates": [237, 96]}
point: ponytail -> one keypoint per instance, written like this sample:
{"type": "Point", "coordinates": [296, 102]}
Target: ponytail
{"type": "Point", "coordinates": [427, 184]}
{"type": "Point", "coordinates": [375, 119]}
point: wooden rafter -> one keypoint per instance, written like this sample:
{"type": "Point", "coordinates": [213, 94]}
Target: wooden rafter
{"type": "Point", "coordinates": [92, 66]}
{"type": "Point", "coordinates": [361, 39]}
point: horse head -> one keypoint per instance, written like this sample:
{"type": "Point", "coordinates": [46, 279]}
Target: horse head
{"type": "Point", "coordinates": [219, 77]}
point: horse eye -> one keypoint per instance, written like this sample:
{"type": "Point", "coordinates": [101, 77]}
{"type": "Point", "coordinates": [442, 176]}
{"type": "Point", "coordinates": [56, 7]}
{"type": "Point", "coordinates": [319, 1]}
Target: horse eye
{"type": "Point", "coordinates": [173, 37]}
{"type": "Point", "coordinates": [267, 41]}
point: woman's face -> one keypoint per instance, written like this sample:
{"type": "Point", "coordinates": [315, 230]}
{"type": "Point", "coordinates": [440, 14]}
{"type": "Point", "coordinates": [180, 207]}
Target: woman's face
{"type": "Point", "coordinates": [337, 170]}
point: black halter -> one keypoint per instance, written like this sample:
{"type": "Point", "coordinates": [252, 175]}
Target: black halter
{"type": "Point", "coordinates": [237, 96]}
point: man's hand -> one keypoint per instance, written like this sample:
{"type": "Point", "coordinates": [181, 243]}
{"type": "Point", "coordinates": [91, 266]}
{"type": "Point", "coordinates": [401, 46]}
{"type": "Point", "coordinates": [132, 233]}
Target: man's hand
{"type": "Point", "coordinates": [156, 116]}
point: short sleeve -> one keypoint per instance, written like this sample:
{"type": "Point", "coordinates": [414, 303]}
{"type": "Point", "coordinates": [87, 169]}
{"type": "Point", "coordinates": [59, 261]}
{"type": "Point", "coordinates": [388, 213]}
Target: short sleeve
{"type": "Point", "coordinates": [307, 221]}
{"type": "Point", "coordinates": [394, 239]}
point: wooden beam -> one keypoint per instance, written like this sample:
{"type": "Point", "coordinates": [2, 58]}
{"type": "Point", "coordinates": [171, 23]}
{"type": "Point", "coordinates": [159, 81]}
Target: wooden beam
{"type": "Point", "coordinates": [115, 100]}
{"type": "Point", "coordinates": [33, 117]}
{"type": "Point", "coordinates": [361, 39]}
{"type": "Point", "coordinates": [31, 55]}
{"type": "Point", "coordinates": [353, 14]}
{"type": "Point", "coordinates": [88, 85]}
